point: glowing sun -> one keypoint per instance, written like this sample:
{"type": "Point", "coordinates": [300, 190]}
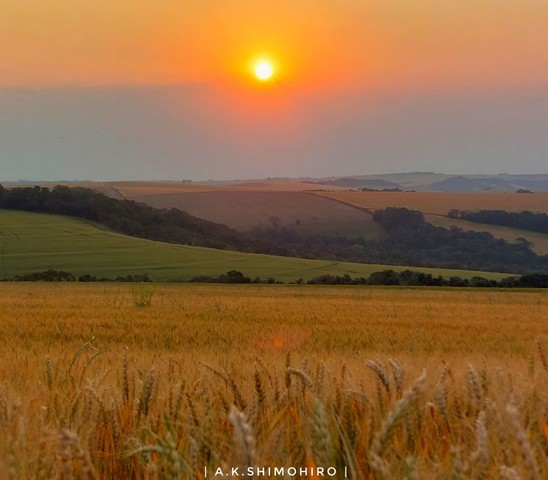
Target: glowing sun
{"type": "Point", "coordinates": [263, 70]}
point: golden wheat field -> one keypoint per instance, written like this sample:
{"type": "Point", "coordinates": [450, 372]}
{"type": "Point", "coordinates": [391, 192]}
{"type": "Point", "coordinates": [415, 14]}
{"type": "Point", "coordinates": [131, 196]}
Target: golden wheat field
{"type": "Point", "coordinates": [121, 381]}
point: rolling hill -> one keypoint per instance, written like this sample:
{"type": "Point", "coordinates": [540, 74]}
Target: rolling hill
{"type": "Point", "coordinates": [306, 208]}
{"type": "Point", "coordinates": [539, 241]}
{"type": "Point", "coordinates": [439, 182]}
{"type": "Point", "coordinates": [31, 242]}
{"type": "Point", "coordinates": [243, 206]}
{"type": "Point", "coordinates": [435, 207]}
{"type": "Point", "coordinates": [245, 210]}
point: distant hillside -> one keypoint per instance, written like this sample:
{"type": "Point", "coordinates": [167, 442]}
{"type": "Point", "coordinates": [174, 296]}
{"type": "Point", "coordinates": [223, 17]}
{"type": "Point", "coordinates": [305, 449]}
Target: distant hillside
{"type": "Point", "coordinates": [420, 181]}
{"type": "Point", "coordinates": [362, 183]}
{"type": "Point", "coordinates": [420, 245]}
{"type": "Point", "coordinates": [409, 180]}
{"type": "Point", "coordinates": [436, 206]}
{"type": "Point", "coordinates": [533, 184]}
{"type": "Point", "coordinates": [466, 184]}
{"type": "Point", "coordinates": [439, 182]}
{"type": "Point", "coordinates": [246, 210]}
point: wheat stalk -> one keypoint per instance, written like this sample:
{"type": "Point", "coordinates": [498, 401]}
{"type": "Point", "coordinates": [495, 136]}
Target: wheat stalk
{"type": "Point", "coordinates": [238, 398]}
{"type": "Point", "coordinates": [243, 438]}
{"type": "Point", "coordinates": [508, 473]}
{"type": "Point", "coordinates": [306, 380]}
{"type": "Point", "coordinates": [71, 452]}
{"type": "Point", "coordinates": [458, 467]}
{"type": "Point", "coordinates": [322, 445]}
{"type": "Point", "coordinates": [523, 447]}
{"type": "Point", "coordinates": [388, 427]}
{"type": "Point", "coordinates": [398, 375]}
{"type": "Point", "coordinates": [542, 355]}
{"type": "Point", "coordinates": [125, 377]}
{"type": "Point", "coordinates": [474, 387]}
{"type": "Point", "coordinates": [145, 398]}
{"type": "Point", "coordinates": [380, 373]}
{"type": "Point", "coordinates": [481, 455]}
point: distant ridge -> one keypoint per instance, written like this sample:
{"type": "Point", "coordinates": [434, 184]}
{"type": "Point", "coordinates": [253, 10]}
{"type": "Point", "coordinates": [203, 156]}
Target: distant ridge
{"type": "Point", "coordinates": [361, 183]}
{"type": "Point", "coordinates": [541, 184]}
{"type": "Point", "coordinates": [464, 184]}
{"type": "Point", "coordinates": [421, 181]}
{"type": "Point", "coordinates": [440, 182]}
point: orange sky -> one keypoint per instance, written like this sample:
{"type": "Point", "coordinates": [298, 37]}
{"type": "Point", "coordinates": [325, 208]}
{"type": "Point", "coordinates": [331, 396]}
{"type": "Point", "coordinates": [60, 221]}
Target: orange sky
{"type": "Point", "coordinates": [163, 89]}
{"type": "Point", "coordinates": [316, 44]}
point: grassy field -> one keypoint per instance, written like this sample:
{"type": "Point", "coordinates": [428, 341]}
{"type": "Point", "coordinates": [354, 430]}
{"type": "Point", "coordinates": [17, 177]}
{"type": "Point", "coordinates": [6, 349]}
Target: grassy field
{"type": "Point", "coordinates": [32, 242]}
{"type": "Point", "coordinates": [166, 381]}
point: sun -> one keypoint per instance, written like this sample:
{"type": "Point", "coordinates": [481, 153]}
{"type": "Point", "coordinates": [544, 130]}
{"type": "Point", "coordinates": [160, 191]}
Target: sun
{"type": "Point", "coordinates": [263, 70]}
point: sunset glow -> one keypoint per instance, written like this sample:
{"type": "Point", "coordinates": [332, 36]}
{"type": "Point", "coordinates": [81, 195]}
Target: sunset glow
{"type": "Point", "coordinates": [322, 43]}
{"type": "Point", "coordinates": [264, 70]}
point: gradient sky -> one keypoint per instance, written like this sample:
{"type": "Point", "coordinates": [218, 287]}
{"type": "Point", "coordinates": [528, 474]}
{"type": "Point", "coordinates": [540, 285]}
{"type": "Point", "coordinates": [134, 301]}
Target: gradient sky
{"type": "Point", "coordinates": [134, 89]}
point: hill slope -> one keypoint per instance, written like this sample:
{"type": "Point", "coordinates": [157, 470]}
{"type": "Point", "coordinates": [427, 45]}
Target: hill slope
{"type": "Point", "coordinates": [435, 207]}
{"type": "Point", "coordinates": [243, 211]}
{"type": "Point", "coordinates": [539, 241]}
{"type": "Point", "coordinates": [31, 242]}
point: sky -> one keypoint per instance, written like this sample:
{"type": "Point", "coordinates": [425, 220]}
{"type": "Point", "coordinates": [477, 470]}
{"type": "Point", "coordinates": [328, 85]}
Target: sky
{"type": "Point", "coordinates": [165, 90]}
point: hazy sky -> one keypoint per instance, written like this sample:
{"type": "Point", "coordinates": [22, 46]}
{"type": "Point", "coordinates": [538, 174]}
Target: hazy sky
{"type": "Point", "coordinates": [135, 89]}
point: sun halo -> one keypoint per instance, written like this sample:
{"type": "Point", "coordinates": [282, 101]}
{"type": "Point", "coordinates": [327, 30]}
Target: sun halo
{"type": "Point", "coordinates": [263, 70]}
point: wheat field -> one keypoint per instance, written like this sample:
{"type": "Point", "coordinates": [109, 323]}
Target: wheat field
{"type": "Point", "coordinates": [189, 381]}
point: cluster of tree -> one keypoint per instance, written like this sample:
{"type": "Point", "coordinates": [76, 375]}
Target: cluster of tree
{"type": "Point", "coordinates": [413, 278]}
{"type": "Point", "coordinates": [62, 276]}
{"type": "Point", "coordinates": [385, 277]}
{"type": "Point", "coordinates": [46, 276]}
{"type": "Point", "coordinates": [368, 189]}
{"type": "Point", "coordinates": [233, 276]}
{"type": "Point", "coordinates": [410, 240]}
{"type": "Point", "coordinates": [526, 220]}
{"type": "Point", "coordinates": [124, 216]}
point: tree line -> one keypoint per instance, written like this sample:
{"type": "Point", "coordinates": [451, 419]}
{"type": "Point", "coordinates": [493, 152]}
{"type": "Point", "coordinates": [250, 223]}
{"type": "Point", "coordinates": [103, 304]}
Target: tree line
{"type": "Point", "coordinates": [412, 278]}
{"type": "Point", "coordinates": [385, 277]}
{"type": "Point", "coordinates": [63, 276]}
{"type": "Point", "coordinates": [410, 240]}
{"type": "Point", "coordinates": [525, 220]}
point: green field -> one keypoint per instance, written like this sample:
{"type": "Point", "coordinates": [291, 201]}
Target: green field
{"type": "Point", "coordinates": [31, 242]}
